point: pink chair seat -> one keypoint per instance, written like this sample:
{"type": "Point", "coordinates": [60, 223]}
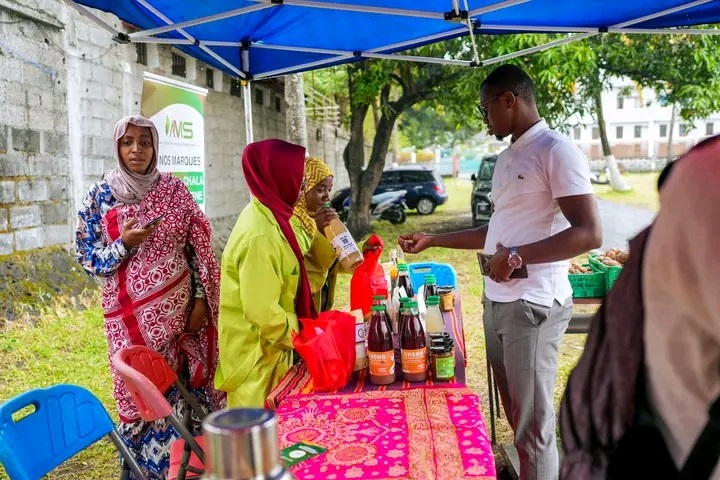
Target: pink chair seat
{"type": "Point", "coordinates": [176, 453]}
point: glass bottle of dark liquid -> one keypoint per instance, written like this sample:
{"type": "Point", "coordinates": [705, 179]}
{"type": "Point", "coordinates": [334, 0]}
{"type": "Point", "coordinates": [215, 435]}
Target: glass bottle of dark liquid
{"type": "Point", "coordinates": [404, 280]}
{"type": "Point", "coordinates": [413, 345]}
{"type": "Point", "coordinates": [431, 288]}
{"type": "Point", "coordinates": [381, 354]}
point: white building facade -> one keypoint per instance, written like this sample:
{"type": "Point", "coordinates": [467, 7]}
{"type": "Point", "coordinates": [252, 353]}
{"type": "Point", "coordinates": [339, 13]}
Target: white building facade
{"type": "Point", "coordinates": [638, 126]}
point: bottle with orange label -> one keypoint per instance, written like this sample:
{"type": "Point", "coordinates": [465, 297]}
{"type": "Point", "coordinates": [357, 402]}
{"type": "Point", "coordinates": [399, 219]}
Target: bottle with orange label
{"type": "Point", "coordinates": [413, 345]}
{"type": "Point", "coordinates": [381, 355]}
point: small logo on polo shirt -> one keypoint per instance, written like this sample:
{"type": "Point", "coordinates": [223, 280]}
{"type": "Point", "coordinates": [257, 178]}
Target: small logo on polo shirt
{"type": "Point", "coordinates": [520, 177]}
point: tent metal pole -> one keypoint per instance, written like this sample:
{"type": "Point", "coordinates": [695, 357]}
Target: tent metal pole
{"type": "Point", "coordinates": [287, 48]}
{"type": "Point", "coordinates": [662, 13]}
{"type": "Point", "coordinates": [200, 21]}
{"type": "Point", "coordinates": [436, 37]}
{"type": "Point", "coordinates": [536, 28]}
{"type": "Point", "coordinates": [162, 41]}
{"type": "Point", "coordinates": [91, 16]}
{"type": "Point", "coordinates": [247, 92]}
{"type": "Point", "coordinates": [582, 36]}
{"type": "Point", "coordinates": [497, 6]}
{"type": "Point", "coordinates": [385, 56]}
{"type": "Point", "coordinates": [468, 22]}
{"type": "Point", "coordinates": [666, 31]}
{"type": "Point", "coordinates": [182, 32]}
{"type": "Point", "coordinates": [537, 48]}
{"type": "Point", "coordinates": [414, 58]}
{"type": "Point", "coordinates": [361, 8]}
{"type": "Point", "coordinates": [247, 104]}
{"type": "Point", "coordinates": [303, 67]}
{"type": "Point", "coordinates": [178, 41]}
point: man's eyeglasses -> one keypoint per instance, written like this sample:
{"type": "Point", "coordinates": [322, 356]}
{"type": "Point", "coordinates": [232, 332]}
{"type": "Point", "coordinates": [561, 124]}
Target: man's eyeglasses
{"type": "Point", "coordinates": [482, 107]}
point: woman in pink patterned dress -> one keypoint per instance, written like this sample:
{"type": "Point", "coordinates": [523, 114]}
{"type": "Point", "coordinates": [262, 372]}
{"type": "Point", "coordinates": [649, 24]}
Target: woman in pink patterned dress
{"type": "Point", "coordinates": [161, 280]}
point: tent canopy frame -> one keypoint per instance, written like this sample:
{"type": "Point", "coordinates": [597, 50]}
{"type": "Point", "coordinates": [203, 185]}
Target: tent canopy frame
{"type": "Point", "coordinates": [456, 14]}
{"type": "Point", "coordinates": [459, 14]}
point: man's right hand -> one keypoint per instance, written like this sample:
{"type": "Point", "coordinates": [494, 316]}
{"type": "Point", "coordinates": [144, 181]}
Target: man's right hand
{"type": "Point", "coordinates": [132, 237]}
{"type": "Point", "coordinates": [415, 242]}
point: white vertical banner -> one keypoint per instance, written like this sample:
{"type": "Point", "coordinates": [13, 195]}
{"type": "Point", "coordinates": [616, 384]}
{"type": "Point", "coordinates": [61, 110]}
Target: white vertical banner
{"type": "Point", "coordinates": [178, 111]}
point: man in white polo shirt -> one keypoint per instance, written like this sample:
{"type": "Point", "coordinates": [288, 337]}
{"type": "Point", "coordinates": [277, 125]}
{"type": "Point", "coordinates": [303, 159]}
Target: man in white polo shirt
{"type": "Point", "coordinates": [545, 213]}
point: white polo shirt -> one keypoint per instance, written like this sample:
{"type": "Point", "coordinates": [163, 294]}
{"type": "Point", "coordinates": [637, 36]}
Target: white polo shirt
{"type": "Point", "coordinates": [530, 175]}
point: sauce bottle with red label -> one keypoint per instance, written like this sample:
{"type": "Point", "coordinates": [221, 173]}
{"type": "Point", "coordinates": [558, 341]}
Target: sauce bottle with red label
{"type": "Point", "coordinates": [413, 345]}
{"type": "Point", "coordinates": [381, 354]}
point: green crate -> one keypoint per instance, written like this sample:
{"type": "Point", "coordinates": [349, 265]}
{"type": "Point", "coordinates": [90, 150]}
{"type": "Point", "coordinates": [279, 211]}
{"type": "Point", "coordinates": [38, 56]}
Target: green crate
{"type": "Point", "coordinates": [611, 273]}
{"type": "Point", "coordinates": [588, 285]}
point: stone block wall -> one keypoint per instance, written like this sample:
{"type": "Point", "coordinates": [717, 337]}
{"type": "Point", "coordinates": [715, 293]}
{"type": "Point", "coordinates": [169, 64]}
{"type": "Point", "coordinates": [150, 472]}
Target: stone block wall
{"type": "Point", "coordinates": [63, 85]}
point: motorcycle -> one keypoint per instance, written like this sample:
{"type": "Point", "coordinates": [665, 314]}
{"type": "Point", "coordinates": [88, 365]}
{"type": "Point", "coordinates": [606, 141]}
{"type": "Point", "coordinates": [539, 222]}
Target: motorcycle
{"type": "Point", "coordinates": [388, 206]}
{"type": "Point", "coordinates": [597, 178]}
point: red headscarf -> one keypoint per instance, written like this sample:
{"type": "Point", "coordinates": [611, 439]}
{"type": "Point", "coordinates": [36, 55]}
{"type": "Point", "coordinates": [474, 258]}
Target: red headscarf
{"type": "Point", "coordinates": [274, 171]}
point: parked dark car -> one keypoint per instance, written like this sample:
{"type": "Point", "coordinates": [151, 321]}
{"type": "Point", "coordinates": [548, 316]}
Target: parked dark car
{"type": "Point", "coordinates": [425, 188]}
{"type": "Point", "coordinates": [480, 200]}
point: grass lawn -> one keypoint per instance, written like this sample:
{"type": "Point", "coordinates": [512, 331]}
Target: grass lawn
{"type": "Point", "coordinates": [66, 346]}
{"type": "Point", "coordinates": [643, 193]}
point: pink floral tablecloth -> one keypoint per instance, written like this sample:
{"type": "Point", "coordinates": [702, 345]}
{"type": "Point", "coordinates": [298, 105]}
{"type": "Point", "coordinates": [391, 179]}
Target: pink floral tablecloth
{"type": "Point", "coordinates": [422, 433]}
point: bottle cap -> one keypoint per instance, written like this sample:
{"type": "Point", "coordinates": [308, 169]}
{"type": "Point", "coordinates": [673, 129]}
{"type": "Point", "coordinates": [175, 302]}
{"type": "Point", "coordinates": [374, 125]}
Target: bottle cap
{"type": "Point", "coordinates": [404, 300]}
{"type": "Point", "coordinates": [430, 279]}
{"type": "Point", "coordinates": [378, 308]}
{"type": "Point", "coordinates": [326, 205]}
{"type": "Point", "coordinates": [432, 300]}
{"type": "Point", "coordinates": [402, 267]}
{"type": "Point", "coordinates": [411, 304]}
{"type": "Point", "coordinates": [379, 297]}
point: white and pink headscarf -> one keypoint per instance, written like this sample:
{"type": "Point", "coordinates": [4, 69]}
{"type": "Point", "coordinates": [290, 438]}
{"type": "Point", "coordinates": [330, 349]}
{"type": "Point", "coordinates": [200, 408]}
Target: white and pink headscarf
{"type": "Point", "coordinates": [127, 186]}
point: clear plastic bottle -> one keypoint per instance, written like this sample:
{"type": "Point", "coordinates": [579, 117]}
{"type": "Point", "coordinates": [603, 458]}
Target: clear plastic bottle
{"type": "Point", "coordinates": [434, 322]}
{"type": "Point", "coordinates": [339, 237]}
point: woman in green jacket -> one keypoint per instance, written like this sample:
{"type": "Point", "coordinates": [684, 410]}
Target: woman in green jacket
{"type": "Point", "coordinates": [264, 286]}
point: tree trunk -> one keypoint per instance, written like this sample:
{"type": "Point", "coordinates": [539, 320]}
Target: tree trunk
{"type": "Point", "coordinates": [671, 130]}
{"type": "Point", "coordinates": [617, 182]}
{"type": "Point", "coordinates": [368, 179]}
{"type": "Point", "coordinates": [295, 114]}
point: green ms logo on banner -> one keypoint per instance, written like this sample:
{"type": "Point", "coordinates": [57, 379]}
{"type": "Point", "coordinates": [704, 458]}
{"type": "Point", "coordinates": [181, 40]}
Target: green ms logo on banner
{"type": "Point", "coordinates": [178, 129]}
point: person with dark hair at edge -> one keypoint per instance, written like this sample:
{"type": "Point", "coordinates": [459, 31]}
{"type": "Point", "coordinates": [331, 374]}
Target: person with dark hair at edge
{"type": "Point", "coordinates": [545, 213]}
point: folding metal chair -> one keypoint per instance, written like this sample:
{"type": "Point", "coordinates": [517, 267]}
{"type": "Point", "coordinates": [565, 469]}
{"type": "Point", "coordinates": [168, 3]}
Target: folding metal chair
{"type": "Point", "coordinates": [148, 377]}
{"type": "Point", "coordinates": [66, 420]}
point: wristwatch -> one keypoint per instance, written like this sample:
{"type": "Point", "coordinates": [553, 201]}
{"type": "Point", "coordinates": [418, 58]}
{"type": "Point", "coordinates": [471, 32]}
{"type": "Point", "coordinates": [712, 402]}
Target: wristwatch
{"type": "Point", "coordinates": [514, 259]}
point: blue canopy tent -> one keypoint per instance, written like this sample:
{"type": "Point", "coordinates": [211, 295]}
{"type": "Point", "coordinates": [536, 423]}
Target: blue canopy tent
{"type": "Point", "coordinates": [259, 39]}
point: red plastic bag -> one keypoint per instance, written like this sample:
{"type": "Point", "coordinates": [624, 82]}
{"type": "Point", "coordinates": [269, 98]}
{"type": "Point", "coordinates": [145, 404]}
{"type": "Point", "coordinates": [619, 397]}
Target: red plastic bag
{"type": "Point", "coordinates": [327, 344]}
{"type": "Point", "coordinates": [368, 279]}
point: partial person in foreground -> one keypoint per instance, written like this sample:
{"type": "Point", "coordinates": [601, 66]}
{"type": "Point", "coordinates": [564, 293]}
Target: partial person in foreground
{"type": "Point", "coordinates": [142, 231]}
{"type": "Point", "coordinates": [545, 213]}
{"type": "Point", "coordinates": [264, 286]}
{"type": "Point", "coordinates": [644, 398]}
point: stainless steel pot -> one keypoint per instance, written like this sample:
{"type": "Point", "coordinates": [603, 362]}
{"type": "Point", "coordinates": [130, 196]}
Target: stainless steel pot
{"type": "Point", "coordinates": [242, 444]}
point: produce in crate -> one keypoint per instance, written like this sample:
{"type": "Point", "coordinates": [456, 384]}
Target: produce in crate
{"type": "Point", "coordinates": [576, 268]}
{"type": "Point", "coordinates": [614, 257]}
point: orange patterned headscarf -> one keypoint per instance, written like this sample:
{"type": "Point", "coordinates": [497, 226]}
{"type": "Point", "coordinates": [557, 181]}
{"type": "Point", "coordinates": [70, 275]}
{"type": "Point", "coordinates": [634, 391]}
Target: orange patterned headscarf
{"type": "Point", "coordinates": [315, 172]}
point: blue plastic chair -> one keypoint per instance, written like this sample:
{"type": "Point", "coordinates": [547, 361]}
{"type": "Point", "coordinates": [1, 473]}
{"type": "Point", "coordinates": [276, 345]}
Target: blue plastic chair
{"type": "Point", "coordinates": [66, 420]}
{"type": "Point", "coordinates": [444, 273]}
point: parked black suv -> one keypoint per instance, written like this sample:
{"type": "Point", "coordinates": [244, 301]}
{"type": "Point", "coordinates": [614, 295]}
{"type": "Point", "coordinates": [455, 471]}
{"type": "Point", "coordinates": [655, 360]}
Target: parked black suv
{"type": "Point", "coordinates": [425, 188]}
{"type": "Point", "coordinates": [480, 201]}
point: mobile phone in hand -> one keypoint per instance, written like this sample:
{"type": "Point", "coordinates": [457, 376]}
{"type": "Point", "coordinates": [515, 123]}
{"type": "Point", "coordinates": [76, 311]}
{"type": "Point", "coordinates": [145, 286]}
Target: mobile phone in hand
{"type": "Point", "coordinates": [153, 221]}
